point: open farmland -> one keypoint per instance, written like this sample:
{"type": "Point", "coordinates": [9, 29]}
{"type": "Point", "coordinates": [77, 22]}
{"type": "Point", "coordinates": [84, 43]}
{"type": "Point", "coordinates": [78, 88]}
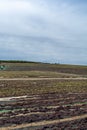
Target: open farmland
{"type": "Point", "coordinates": [42, 69]}
{"type": "Point", "coordinates": [43, 99]}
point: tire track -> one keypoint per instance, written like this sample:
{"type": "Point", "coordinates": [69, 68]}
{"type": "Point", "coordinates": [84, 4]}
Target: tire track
{"type": "Point", "coordinates": [43, 123]}
{"type": "Point", "coordinates": [20, 79]}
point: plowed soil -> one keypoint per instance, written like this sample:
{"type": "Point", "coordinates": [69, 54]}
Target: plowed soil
{"type": "Point", "coordinates": [50, 111]}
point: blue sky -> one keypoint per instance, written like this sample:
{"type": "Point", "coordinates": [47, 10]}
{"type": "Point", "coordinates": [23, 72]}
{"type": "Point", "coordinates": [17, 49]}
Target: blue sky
{"type": "Point", "coordinates": [44, 30]}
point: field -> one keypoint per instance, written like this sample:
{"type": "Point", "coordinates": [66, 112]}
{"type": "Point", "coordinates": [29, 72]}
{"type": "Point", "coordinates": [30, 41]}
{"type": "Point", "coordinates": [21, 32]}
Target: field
{"type": "Point", "coordinates": [36, 96]}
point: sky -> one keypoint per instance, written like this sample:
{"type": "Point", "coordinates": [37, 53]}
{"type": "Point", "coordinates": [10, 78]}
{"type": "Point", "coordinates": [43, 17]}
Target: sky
{"type": "Point", "coordinates": [52, 31]}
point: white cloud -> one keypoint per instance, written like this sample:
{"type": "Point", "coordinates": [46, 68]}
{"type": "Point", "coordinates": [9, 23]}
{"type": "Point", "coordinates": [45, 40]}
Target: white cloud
{"type": "Point", "coordinates": [43, 28]}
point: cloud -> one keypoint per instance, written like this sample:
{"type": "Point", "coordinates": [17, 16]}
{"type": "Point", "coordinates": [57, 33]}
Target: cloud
{"type": "Point", "coordinates": [43, 30]}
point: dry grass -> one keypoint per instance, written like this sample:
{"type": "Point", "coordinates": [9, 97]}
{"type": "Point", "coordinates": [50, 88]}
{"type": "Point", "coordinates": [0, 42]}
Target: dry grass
{"type": "Point", "coordinates": [16, 88]}
{"type": "Point", "coordinates": [37, 74]}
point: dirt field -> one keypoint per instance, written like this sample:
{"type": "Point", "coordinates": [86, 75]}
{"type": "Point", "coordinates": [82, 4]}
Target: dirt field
{"type": "Point", "coordinates": [43, 97]}
{"type": "Point", "coordinates": [45, 111]}
{"type": "Point", "coordinates": [71, 69]}
{"type": "Point", "coordinates": [27, 87]}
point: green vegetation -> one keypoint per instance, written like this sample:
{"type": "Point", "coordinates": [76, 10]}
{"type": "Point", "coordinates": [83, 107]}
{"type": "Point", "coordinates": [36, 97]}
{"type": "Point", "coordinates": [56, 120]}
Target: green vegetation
{"type": "Point", "coordinates": [16, 61]}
